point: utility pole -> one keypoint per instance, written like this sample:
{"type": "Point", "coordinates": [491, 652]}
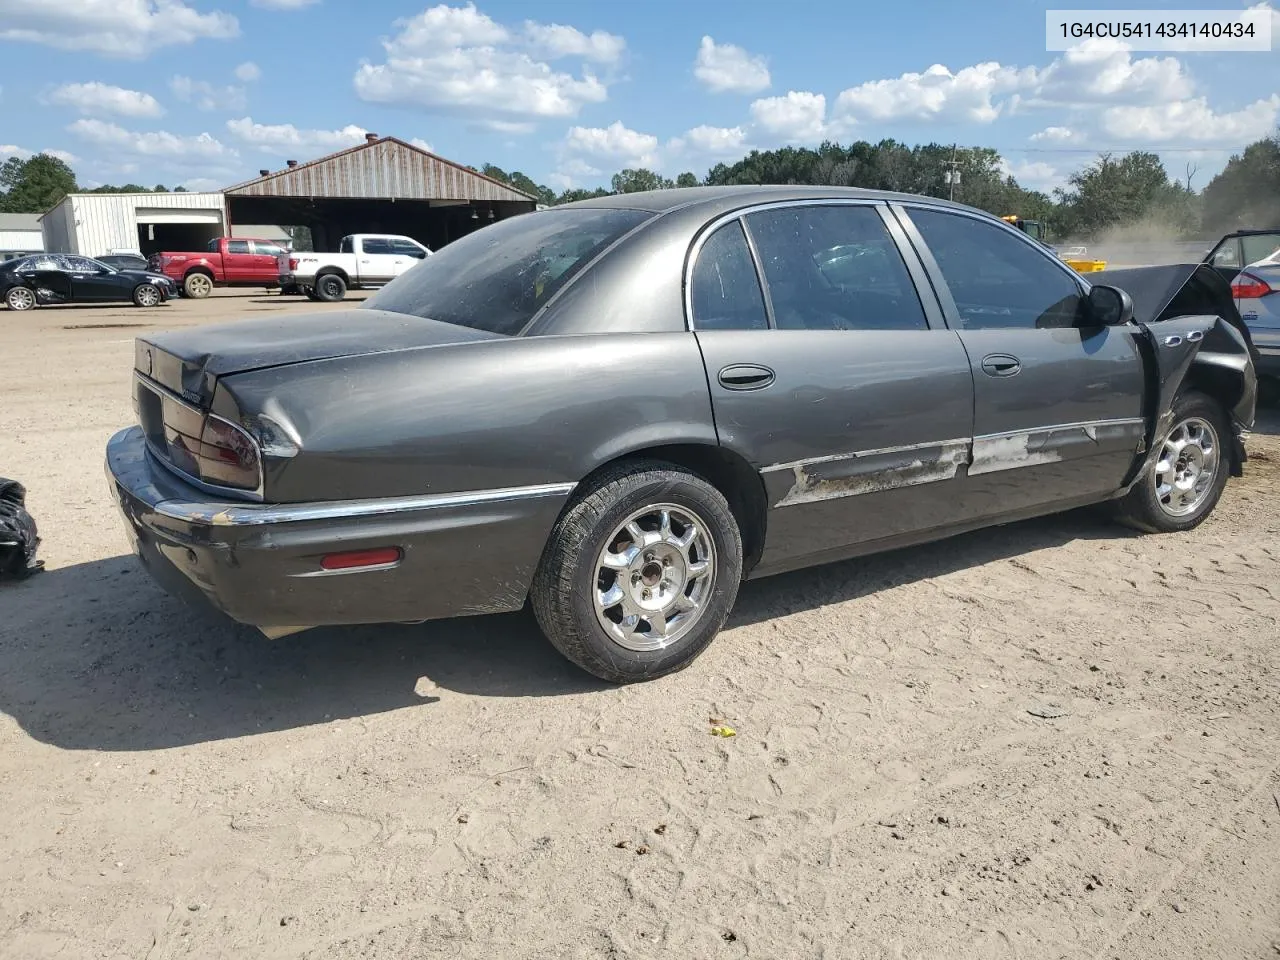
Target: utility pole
{"type": "Point", "coordinates": [952, 176]}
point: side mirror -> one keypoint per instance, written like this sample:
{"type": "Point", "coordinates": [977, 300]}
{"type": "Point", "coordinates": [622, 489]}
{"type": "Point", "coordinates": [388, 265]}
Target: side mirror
{"type": "Point", "coordinates": [1109, 307]}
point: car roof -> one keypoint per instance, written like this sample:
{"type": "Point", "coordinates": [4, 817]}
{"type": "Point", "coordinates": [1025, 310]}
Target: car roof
{"type": "Point", "coordinates": [662, 201]}
{"type": "Point", "coordinates": [1253, 232]}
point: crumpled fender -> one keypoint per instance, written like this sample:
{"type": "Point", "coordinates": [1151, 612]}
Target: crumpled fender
{"type": "Point", "coordinates": [1207, 352]}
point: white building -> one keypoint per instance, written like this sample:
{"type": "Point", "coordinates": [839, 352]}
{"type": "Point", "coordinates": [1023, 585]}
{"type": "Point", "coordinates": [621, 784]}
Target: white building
{"type": "Point", "coordinates": [20, 234]}
{"type": "Point", "coordinates": [92, 224]}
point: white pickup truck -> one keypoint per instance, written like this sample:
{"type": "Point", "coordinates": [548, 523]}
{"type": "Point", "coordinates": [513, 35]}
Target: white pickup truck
{"type": "Point", "coordinates": [363, 260]}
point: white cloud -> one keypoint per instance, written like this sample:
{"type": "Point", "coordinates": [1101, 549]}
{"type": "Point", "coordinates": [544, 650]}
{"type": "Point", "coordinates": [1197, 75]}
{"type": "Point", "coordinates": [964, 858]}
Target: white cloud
{"type": "Point", "coordinates": [422, 145]}
{"type": "Point", "coordinates": [1034, 174]}
{"type": "Point", "coordinates": [508, 126]}
{"type": "Point", "coordinates": [459, 60]}
{"type": "Point", "coordinates": [248, 72]}
{"type": "Point", "coordinates": [286, 138]}
{"type": "Point", "coordinates": [709, 140]}
{"type": "Point", "coordinates": [723, 67]}
{"type": "Point", "coordinates": [151, 144]}
{"type": "Point", "coordinates": [1192, 121]}
{"type": "Point", "coordinates": [1275, 21]}
{"type": "Point", "coordinates": [1056, 135]}
{"type": "Point", "coordinates": [65, 156]}
{"type": "Point", "coordinates": [204, 184]}
{"type": "Point", "coordinates": [573, 172]}
{"type": "Point", "coordinates": [207, 96]}
{"type": "Point", "coordinates": [935, 94]}
{"type": "Point", "coordinates": [1106, 72]}
{"type": "Point", "coordinates": [284, 4]}
{"type": "Point", "coordinates": [102, 98]}
{"type": "Point", "coordinates": [614, 142]}
{"type": "Point", "coordinates": [554, 40]}
{"type": "Point", "coordinates": [13, 150]}
{"type": "Point", "coordinates": [799, 116]}
{"type": "Point", "coordinates": [128, 29]}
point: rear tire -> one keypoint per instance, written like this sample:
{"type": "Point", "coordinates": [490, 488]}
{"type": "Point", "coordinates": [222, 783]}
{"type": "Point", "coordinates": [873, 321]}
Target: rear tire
{"type": "Point", "coordinates": [330, 288]}
{"type": "Point", "coordinates": [648, 545]}
{"type": "Point", "coordinates": [1183, 483]}
{"type": "Point", "coordinates": [197, 286]}
{"type": "Point", "coordinates": [146, 295]}
{"type": "Point", "coordinates": [20, 298]}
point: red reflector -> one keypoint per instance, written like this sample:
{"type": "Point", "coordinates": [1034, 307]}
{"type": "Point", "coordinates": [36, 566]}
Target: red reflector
{"type": "Point", "coordinates": [293, 263]}
{"type": "Point", "coordinates": [360, 558]}
{"type": "Point", "coordinates": [1248, 287]}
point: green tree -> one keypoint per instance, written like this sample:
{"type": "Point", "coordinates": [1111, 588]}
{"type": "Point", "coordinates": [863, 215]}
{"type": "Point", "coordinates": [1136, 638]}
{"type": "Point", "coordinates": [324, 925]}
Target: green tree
{"type": "Point", "coordinates": [1247, 192]}
{"type": "Point", "coordinates": [1132, 193]}
{"type": "Point", "coordinates": [686, 180]}
{"type": "Point", "coordinates": [636, 180]}
{"type": "Point", "coordinates": [578, 193]}
{"type": "Point", "coordinates": [34, 185]}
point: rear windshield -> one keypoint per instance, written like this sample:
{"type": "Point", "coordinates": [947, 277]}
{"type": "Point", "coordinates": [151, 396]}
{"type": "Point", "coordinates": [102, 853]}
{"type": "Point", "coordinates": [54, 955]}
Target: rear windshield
{"type": "Point", "coordinates": [498, 277]}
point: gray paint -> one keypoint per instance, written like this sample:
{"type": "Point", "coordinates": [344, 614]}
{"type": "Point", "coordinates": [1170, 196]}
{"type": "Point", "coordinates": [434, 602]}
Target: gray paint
{"type": "Point", "coordinates": [465, 446]}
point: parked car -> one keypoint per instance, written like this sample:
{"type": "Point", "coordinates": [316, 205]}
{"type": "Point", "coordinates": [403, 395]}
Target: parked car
{"type": "Point", "coordinates": [618, 409]}
{"type": "Point", "coordinates": [228, 262]}
{"type": "Point", "coordinates": [363, 261]}
{"type": "Point", "coordinates": [48, 278]}
{"type": "Point", "coordinates": [1250, 260]}
{"type": "Point", "coordinates": [124, 261]}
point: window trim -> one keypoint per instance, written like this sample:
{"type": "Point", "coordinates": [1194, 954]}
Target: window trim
{"type": "Point", "coordinates": [762, 284]}
{"type": "Point", "coordinates": [930, 308]}
{"type": "Point", "coordinates": [951, 313]}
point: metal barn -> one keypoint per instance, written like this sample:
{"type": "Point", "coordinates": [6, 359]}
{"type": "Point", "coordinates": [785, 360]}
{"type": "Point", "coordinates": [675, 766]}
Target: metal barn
{"type": "Point", "coordinates": [384, 185]}
{"type": "Point", "coordinates": [92, 224]}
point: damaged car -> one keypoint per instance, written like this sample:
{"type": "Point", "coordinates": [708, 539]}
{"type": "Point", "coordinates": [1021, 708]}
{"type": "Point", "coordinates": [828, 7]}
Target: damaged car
{"type": "Point", "coordinates": [617, 410]}
{"type": "Point", "coordinates": [53, 278]}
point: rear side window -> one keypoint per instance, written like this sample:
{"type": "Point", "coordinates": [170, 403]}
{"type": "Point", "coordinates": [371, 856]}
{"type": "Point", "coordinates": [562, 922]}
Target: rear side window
{"type": "Point", "coordinates": [237, 246]}
{"type": "Point", "coordinates": [834, 268]}
{"type": "Point", "coordinates": [725, 291]}
{"type": "Point", "coordinates": [496, 278]}
{"type": "Point", "coordinates": [375, 245]}
{"type": "Point", "coordinates": [404, 248]}
{"type": "Point", "coordinates": [998, 279]}
{"type": "Point", "coordinates": [264, 249]}
{"type": "Point", "coordinates": [1260, 246]}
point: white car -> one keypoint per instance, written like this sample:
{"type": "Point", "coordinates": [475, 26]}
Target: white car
{"type": "Point", "coordinates": [363, 261]}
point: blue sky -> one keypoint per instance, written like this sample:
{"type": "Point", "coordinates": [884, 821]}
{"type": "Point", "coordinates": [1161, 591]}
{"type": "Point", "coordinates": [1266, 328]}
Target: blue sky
{"type": "Point", "coordinates": [206, 92]}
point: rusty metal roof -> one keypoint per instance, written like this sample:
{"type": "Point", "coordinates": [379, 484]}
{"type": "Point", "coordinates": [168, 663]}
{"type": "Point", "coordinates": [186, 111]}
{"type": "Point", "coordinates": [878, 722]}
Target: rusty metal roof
{"type": "Point", "coordinates": [381, 168]}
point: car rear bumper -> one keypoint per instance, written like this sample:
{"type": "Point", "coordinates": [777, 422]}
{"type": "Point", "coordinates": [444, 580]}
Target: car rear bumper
{"type": "Point", "coordinates": [1267, 342]}
{"type": "Point", "coordinates": [461, 553]}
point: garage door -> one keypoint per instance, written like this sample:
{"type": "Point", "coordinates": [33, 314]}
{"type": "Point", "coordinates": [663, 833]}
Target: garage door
{"type": "Point", "coordinates": [177, 215]}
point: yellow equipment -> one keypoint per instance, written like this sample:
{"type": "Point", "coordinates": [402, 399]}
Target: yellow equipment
{"type": "Point", "coordinates": [1035, 230]}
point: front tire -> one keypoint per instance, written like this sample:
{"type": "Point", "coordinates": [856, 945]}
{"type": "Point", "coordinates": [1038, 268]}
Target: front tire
{"type": "Point", "coordinates": [640, 572]}
{"type": "Point", "coordinates": [20, 298]}
{"type": "Point", "coordinates": [1184, 481]}
{"type": "Point", "coordinates": [146, 295]}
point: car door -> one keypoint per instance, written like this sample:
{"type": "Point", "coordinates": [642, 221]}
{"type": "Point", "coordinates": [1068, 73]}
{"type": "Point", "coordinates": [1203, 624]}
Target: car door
{"type": "Point", "coordinates": [93, 282]}
{"type": "Point", "coordinates": [1058, 403]}
{"type": "Point", "coordinates": [406, 254]}
{"type": "Point", "coordinates": [832, 377]}
{"type": "Point", "coordinates": [238, 263]}
{"type": "Point", "coordinates": [375, 264]}
{"type": "Point", "coordinates": [50, 276]}
{"type": "Point", "coordinates": [266, 260]}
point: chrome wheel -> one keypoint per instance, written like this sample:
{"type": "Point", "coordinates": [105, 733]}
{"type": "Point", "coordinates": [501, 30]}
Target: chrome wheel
{"type": "Point", "coordinates": [148, 296]}
{"type": "Point", "coordinates": [654, 577]}
{"type": "Point", "coordinates": [20, 298]}
{"type": "Point", "coordinates": [1184, 474]}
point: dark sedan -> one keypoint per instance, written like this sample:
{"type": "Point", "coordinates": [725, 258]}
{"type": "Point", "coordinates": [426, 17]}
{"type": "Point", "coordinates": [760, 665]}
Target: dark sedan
{"type": "Point", "coordinates": [618, 409]}
{"type": "Point", "coordinates": [49, 278]}
{"type": "Point", "coordinates": [125, 261]}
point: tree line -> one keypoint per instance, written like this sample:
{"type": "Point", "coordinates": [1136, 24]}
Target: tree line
{"type": "Point", "coordinates": [1110, 193]}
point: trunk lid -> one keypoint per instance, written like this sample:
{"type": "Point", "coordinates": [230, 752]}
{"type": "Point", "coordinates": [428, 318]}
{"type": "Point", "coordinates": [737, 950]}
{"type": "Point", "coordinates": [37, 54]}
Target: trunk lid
{"type": "Point", "coordinates": [189, 362]}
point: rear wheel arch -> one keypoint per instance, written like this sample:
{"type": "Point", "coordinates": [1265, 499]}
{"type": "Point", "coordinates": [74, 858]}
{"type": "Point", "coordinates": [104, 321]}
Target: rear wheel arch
{"type": "Point", "coordinates": [737, 480]}
{"type": "Point", "coordinates": [329, 271]}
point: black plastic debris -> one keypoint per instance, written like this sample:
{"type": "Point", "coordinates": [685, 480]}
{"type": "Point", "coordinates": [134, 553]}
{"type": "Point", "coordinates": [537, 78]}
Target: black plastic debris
{"type": "Point", "coordinates": [18, 536]}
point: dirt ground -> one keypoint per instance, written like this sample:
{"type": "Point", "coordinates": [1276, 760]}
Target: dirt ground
{"type": "Point", "coordinates": [172, 785]}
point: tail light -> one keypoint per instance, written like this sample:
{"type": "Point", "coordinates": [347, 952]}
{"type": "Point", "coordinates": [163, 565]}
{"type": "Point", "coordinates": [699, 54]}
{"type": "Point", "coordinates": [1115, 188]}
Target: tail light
{"type": "Point", "coordinates": [227, 456]}
{"type": "Point", "coordinates": [1248, 287]}
{"type": "Point", "coordinates": [293, 263]}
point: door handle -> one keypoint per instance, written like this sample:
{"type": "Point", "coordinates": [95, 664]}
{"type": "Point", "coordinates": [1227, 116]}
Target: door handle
{"type": "Point", "coordinates": [745, 376]}
{"type": "Point", "coordinates": [1001, 365]}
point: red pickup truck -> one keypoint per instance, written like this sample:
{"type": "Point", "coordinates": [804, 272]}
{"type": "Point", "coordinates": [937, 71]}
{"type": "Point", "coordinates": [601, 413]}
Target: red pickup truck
{"type": "Point", "coordinates": [228, 262]}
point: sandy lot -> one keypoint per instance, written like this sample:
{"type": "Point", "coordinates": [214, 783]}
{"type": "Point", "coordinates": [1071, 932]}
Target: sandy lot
{"type": "Point", "coordinates": [173, 786]}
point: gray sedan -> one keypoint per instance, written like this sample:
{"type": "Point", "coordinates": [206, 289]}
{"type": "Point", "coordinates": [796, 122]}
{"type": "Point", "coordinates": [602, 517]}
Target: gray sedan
{"type": "Point", "coordinates": [617, 410]}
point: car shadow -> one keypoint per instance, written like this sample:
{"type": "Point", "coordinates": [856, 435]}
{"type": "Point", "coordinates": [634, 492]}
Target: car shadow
{"type": "Point", "coordinates": [96, 657]}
